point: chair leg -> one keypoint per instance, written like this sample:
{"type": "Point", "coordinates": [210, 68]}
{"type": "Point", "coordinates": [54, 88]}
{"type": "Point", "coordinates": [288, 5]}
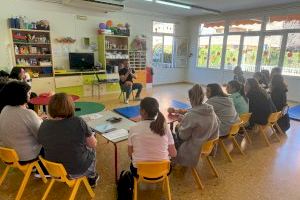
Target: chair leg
{"type": "Point", "coordinates": [279, 129]}
{"type": "Point", "coordinates": [135, 189]}
{"type": "Point", "coordinates": [262, 132]}
{"type": "Point", "coordinates": [40, 171]}
{"type": "Point", "coordinates": [168, 188]}
{"type": "Point", "coordinates": [237, 146]}
{"type": "Point", "coordinates": [212, 166]}
{"type": "Point", "coordinates": [88, 187]}
{"type": "Point", "coordinates": [247, 135]}
{"type": "Point", "coordinates": [225, 151]}
{"type": "Point", "coordinates": [197, 178]}
{"type": "Point", "coordinates": [275, 133]}
{"type": "Point", "coordinates": [48, 189]}
{"type": "Point", "coordinates": [133, 97]}
{"type": "Point", "coordinates": [75, 189]}
{"type": "Point", "coordinates": [25, 181]}
{"type": "Point", "coordinates": [4, 174]}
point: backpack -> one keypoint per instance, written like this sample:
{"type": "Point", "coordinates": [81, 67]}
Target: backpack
{"type": "Point", "coordinates": [125, 186]}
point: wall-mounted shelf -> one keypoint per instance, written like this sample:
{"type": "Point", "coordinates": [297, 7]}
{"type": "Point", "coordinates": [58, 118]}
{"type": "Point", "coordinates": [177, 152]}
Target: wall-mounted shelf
{"type": "Point", "coordinates": [137, 59]}
{"type": "Point", "coordinates": [30, 30]}
{"type": "Point", "coordinates": [31, 50]}
{"type": "Point", "coordinates": [113, 49]}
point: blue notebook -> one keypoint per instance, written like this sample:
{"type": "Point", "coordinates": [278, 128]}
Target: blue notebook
{"type": "Point", "coordinates": [103, 128]}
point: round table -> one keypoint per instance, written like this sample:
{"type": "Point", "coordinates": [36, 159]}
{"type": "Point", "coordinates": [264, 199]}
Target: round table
{"type": "Point", "coordinates": [88, 108]}
{"type": "Point", "coordinates": [44, 99]}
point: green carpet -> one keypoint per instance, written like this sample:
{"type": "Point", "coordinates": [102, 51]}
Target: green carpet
{"type": "Point", "coordinates": [88, 108]}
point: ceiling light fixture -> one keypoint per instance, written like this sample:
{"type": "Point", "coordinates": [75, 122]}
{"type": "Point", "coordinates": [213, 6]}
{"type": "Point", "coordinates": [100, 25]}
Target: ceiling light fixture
{"type": "Point", "coordinates": [149, 0]}
{"type": "Point", "coordinates": [173, 4]}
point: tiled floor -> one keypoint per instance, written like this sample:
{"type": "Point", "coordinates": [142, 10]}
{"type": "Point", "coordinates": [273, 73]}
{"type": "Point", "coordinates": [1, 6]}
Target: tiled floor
{"type": "Point", "coordinates": [264, 173]}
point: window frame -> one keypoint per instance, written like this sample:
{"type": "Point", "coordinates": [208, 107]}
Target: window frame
{"type": "Point", "coordinates": [261, 34]}
{"type": "Point", "coordinates": [162, 64]}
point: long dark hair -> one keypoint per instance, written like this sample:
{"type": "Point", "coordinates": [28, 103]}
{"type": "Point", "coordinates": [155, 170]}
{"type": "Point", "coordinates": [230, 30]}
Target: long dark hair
{"type": "Point", "coordinates": [275, 70]}
{"type": "Point", "coordinates": [238, 87]}
{"type": "Point", "coordinates": [216, 90]}
{"type": "Point", "coordinates": [151, 107]}
{"type": "Point", "coordinates": [254, 86]}
{"type": "Point", "coordinates": [277, 83]}
{"type": "Point", "coordinates": [15, 73]}
{"type": "Point", "coordinates": [266, 76]}
{"type": "Point", "coordinates": [14, 93]}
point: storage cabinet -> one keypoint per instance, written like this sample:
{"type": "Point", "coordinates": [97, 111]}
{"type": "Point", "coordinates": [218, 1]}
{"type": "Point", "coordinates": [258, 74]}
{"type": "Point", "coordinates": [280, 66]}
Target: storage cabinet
{"type": "Point", "coordinates": [42, 85]}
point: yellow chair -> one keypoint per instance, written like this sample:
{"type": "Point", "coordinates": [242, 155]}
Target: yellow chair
{"type": "Point", "coordinates": [233, 131]}
{"type": "Point", "coordinates": [11, 159]}
{"type": "Point", "coordinates": [152, 170]}
{"type": "Point", "coordinates": [205, 151]}
{"type": "Point", "coordinates": [245, 117]}
{"type": "Point", "coordinates": [58, 173]}
{"type": "Point", "coordinates": [272, 121]}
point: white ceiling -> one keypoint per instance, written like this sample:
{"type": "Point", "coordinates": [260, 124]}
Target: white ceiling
{"type": "Point", "coordinates": [221, 5]}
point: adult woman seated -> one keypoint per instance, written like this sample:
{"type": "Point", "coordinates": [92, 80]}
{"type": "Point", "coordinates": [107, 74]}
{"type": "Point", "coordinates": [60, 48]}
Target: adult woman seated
{"type": "Point", "coordinates": [18, 125]}
{"type": "Point", "coordinates": [260, 78]}
{"type": "Point", "coordinates": [150, 139]}
{"type": "Point", "coordinates": [68, 140]}
{"type": "Point", "coordinates": [198, 125]}
{"type": "Point", "coordinates": [223, 107]}
{"type": "Point", "coordinates": [278, 90]}
{"type": "Point", "coordinates": [237, 94]}
{"type": "Point", "coordinates": [260, 104]}
{"type": "Point", "coordinates": [18, 73]}
{"type": "Point", "coordinates": [238, 75]}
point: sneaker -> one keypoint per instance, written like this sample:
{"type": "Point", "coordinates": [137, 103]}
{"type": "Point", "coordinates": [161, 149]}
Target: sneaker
{"type": "Point", "coordinates": [127, 101]}
{"type": "Point", "coordinates": [93, 180]}
{"type": "Point", "coordinates": [37, 175]}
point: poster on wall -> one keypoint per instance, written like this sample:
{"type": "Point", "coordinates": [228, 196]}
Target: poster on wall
{"type": "Point", "coordinates": [181, 51]}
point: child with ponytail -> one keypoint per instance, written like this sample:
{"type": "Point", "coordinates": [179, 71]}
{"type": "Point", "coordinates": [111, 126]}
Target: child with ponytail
{"type": "Point", "coordinates": [150, 139]}
{"type": "Point", "coordinates": [237, 94]}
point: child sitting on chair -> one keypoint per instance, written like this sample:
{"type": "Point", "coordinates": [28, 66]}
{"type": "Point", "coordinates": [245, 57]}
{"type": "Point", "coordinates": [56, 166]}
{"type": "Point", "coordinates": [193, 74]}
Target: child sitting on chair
{"type": "Point", "coordinates": [150, 139]}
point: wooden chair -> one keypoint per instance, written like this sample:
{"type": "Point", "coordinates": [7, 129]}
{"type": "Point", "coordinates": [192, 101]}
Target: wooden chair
{"type": "Point", "coordinates": [11, 159]}
{"type": "Point", "coordinates": [58, 173]}
{"type": "Point", "coordinates": [152, 170]}
{"type": "Point", "coordinates": [272, 121]}
{"type": "Point", "coordinates": [245, 117]}
{"type": "Point", "coordinates": [205, 151]}
{"type": "Point", "coordinates": [233, 131]}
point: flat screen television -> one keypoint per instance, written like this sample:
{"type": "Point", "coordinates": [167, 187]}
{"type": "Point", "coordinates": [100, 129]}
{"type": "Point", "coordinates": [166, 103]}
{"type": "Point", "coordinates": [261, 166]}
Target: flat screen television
{"type": "Point", "coordinates": [81, 61]}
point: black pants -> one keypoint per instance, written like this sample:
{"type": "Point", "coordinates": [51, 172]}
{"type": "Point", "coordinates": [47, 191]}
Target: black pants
{"type": "Point", "coordinates": [42, 153]}
{"type": "Point", "coordinates": [177, 140]}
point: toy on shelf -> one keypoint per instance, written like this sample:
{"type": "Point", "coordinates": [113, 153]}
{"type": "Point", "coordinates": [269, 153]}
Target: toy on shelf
{"type": "Point", "coordinates": [109, 29]}
{"type": "Point", "coordinates": [22, 22]}
{"type": "Point", "coordinates": [32, 49]}
{"type": "Point", "coordinates": [138, 43]}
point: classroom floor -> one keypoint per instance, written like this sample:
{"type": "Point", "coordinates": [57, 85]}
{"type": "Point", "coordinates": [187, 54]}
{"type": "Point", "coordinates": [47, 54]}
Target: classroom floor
{"type": "Point", "coordinates": [264, 173]}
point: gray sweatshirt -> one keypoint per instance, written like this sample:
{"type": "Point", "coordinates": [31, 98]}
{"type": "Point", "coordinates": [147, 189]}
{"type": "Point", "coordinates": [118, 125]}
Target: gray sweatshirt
{"type": "Point", "coordinates": [18, 130]}
{"type": "Point", "coordinates": [225, 110]}
{"type": "Point", "coordinates": [198, 125]}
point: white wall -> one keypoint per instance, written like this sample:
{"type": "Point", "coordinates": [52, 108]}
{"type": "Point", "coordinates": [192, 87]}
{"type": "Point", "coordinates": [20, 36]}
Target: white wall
{"type": "Point", "coordinates": [63, 23]}
{"type": "Point", "coordinates": [205, 76]}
